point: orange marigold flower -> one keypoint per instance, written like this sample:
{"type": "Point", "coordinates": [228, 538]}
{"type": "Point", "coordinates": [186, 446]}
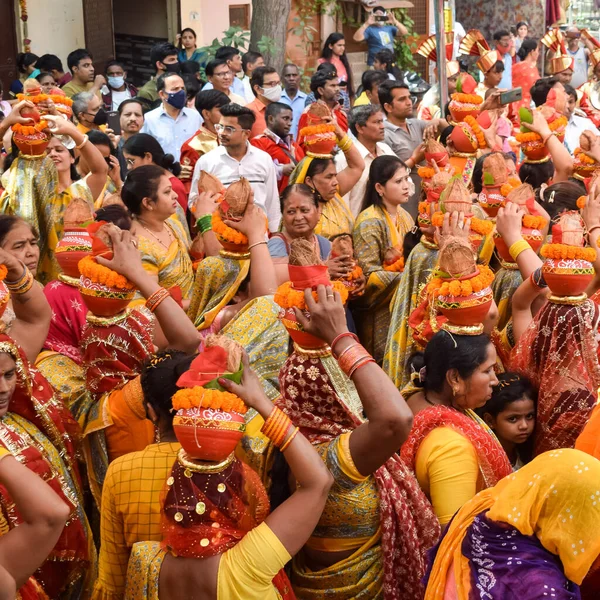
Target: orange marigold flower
{"type": "Point", "coordinates": [97, 273]}
{"type": "Point", "coordinates": [228, 234]}
{"type": "Point", "coordinates": [530, 136]}
{"type": "Point", "coordinates": [563, 251]}
{"type": "Point", "coordinates": [288, 297]}
{"type": "Point", "coordinates": [396, 267]}
{"type": "Point", "coordinates": [426, 172]}
{"type": "Point", "coordinates": [199, 397]}
{"type": "Point", "coordinates": [467, 98]}
{"type": "Point", "coordinates": [481, 226]}
{"type": "Point", "coordinates": [3, 272]}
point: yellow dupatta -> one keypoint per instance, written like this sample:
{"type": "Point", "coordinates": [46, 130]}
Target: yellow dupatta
{"type": "Point", "coordinates": [555, 497]}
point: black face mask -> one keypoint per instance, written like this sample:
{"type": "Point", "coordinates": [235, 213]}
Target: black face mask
{"type": "Point", "coordinates": [173, 67]}
{"type": "Point", "coordinates": [100, 118]}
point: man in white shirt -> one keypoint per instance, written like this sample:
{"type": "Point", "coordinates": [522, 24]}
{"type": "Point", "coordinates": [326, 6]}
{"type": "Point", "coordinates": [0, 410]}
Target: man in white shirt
{"type": "Point", "coordinates": [171, 123]}
{"type": "Point", "coordinates": [236, 158]}
{"type": "Point", "coordinates": [367, 124]}
{"type": "Point", "coordinates": [578, 122]}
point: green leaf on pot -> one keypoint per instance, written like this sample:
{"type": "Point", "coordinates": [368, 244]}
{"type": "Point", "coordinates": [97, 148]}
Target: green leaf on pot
{"type": "Point", "coordinates": [236, 377]}
{"type": "Point", "coordinates": [488, 179]}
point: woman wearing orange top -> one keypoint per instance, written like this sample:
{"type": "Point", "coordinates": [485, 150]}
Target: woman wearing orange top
{"type": "Point", "coordinates": [525, 73]}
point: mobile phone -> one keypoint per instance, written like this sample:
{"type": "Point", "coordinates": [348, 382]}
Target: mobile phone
{"type": "Point", "coordinates": [114, 121]}
{"type": "Point", "coordinates": [510, 96]}
{"type": "Point", "coordinates": [381, 18]}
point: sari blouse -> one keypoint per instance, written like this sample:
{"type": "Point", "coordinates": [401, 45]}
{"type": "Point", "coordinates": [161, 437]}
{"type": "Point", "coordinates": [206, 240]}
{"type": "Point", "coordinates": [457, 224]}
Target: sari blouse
{"type": "Point", "coordinates": [173, 267]}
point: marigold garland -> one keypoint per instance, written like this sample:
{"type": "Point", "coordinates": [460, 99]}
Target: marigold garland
{"type": "Point", "coordinates": [98, 273]}
{"type": "Point", "coordinates": [530, 136]}
{"type": "Point", "coordinates": [58, 99]}
{"type": "Point", "coordinates": [396, 267]}
{"type": "Point", "coordinates": [287, 297]}
{"type": "Point", "coordinates": [3, 272]}
{"type": "Point", "coordinates": [581, 202]}
{"type": "Point", "coordinates": [456, 287]}
{"type": "Point", "coordinates": [583, 158]}
{"type": "Point", "coordinates": [426, 172]}
{"type": "Point", "coordinates": [533, 222]}
{"type": "Point", "coordinates": [563, 252]}
{"type": "Point", "coordinates": [199, 397]}
{"type": "Point", "coordinates": [467, 98]}
{"type": "Point", "coordinates": [30, 129]}
{"type": "Point", "coordinates": [425, 208]}
{"type": "Point", "coordinates": [558, 123]}
{"type": "Point", "coordinates": [507, 188]}
{"type": "Point", "coordinates": [356, 273]}
{"type": "Point", "coordinates": [226, 233]}
{"type": "Point", "coordinates": [474, 125]}
{"type": "Point", "coordinates": [481, 226]}
{"type": "Point", "coordinates": [315, 129]}
{"type": "Point", "coordinates": [35, 99]}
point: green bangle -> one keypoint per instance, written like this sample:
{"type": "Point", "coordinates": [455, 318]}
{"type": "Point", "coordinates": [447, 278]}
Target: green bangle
{"type": "Point", "coordinates": [204, 223]}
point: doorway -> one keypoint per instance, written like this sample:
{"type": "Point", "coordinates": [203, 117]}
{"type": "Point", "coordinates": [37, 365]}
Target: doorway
{"type": "Point", "coordinates": [8, 46]}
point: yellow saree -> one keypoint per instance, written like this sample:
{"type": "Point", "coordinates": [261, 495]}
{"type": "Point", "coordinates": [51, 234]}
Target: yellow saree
{"type": "Point", "coordinates": [31, 192]}
{"type": "Point", "coordinates": [376, 231]}
{"type": "Point", "coordinates": [173, 267]}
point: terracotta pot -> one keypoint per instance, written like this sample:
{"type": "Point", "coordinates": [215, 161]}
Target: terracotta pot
{"type": "Point", "coordinates": [466, 310]}
{"type": "Point", "coordinates": [320, 143]}
{"type": "Point", "coordinates": [76, 244]}
{"type": "Point", "coordinates": [532, 236]}
{"type": "Point", "coordinates": [104, 301]}
{"type": "Point", "coordinates": [569, 277]}
{"type": "Point", "coordinates": [582, 171]}
{"type": "Point", "coordinates": [464, 140]}
{"type": "Point", "coordinates": [4, 297]}
{"type": "Point", "coordinates": [441, 158]}
{"type": "Point", "coordinates": [303, 339]}
{"type": "Point", "coordinates": [460, 111]}
{"type": "Point", "coordinates": [208, 434]}
{"type": "Point", "coordinates": [534, 150]}
{"type": "Point", "coordinates": [237, 248]}
{"type": "Point", "coordinates": [32, 145]}
{"type": "Point", "coordinates": [491, 200]}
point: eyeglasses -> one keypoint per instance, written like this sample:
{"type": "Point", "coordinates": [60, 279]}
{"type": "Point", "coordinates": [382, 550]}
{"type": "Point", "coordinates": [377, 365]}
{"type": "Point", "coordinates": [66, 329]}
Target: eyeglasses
{"type": "Point", "coordinates": [227, 129]}
{"type": "Point", "coordinates": [222, 74]}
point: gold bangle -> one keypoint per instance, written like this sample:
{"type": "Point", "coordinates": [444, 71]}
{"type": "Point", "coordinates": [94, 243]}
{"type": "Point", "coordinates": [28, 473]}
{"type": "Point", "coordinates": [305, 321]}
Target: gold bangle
{"type": "Point", "coordinates": [345, 144]}
{"type": "Point", "coordinates": [256, 244]}
{"type": "Point", "coordinates": [517, 248]}
{"type": "Point", "coordinates": [85, 141]}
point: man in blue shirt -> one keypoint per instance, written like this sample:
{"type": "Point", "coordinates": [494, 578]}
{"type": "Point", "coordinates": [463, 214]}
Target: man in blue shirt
{"type": "Point", "coordinates": [379, 32]}
{"type": "Point", "coordinates": [503, 46]}
{"type": "Point", "coordinates": [234, 62]}
{"type": "Point", "coordinates": [292, 95]}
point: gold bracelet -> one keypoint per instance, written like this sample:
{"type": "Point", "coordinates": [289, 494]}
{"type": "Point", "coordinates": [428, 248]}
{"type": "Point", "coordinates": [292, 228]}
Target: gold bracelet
{"type": "Point", "coordinates": [345, 144]}
{"type": "Point", "coordinates": [85, 141]}
{"type": "Point", "coordinates": [517, 248]}
{"type": "Point", "coordinates": [256, 244]}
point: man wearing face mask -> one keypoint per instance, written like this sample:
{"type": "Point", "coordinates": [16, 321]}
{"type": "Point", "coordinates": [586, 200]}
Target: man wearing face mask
{"type": "Point", "coordinates": [119, 89]}
{"type": "Point", "coordinates": [266, 85]}
{"type": "Point", "coordinates": [172, 123]}
{"type": "Point", "coordinates": [504, 46]}
{"type": "Point", "coordinates": [163, 57]}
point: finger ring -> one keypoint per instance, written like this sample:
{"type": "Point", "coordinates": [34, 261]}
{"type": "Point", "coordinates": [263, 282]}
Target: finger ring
{"type": "Point", "coordinates": [134, 243]}
{"type": "Point", "coordinates": [330, 295]}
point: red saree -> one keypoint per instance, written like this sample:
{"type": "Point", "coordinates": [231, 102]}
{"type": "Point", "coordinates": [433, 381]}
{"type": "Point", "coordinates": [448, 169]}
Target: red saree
{"type": "Point", "coordinates": [316, 400]}
{"type": "Point", "coordinates": [68, 319]}
{"type": "Point", "coordinates": [559, 354]}
{"type": "Point", "coordinates": [114, 350]}
{"type": "Point", "coordinates": [492, 459]}
{"type": "Point", "coordinates": [37, 429]}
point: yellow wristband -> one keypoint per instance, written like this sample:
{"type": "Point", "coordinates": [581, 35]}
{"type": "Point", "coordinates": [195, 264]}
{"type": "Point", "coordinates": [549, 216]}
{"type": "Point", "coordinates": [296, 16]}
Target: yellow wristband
{"type": "Point", "coordinates": [518, 247]}
{"type": "Point", "coordinates": [4, 452]}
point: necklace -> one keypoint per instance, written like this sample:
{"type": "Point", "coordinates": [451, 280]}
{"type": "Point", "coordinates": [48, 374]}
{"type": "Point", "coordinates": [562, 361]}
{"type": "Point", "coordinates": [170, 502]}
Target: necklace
{"type": "Point", "coordinates": [166, 247]}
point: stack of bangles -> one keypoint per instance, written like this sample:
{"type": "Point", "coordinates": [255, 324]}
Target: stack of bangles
{"type": "Point", "coordinates": [22, 285]}
{"type": "Point", "coordinates": [279, 429]}
{"type": "Point", "coordinates": [345, 144]}
{"type": "Point", "coordinates": [517, 248]}
{"type": "Point", "coordinates": [537, 278]}
{"type": "Point", "coordinates": [204, 223]}
{"type": "Point", "coordinates": [353, 357]}
{"type": "Point", "coordinates": [156, 298]}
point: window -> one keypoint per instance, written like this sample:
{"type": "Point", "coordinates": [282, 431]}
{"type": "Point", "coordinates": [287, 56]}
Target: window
{"type": "Point", "coordinates": [239, 16]}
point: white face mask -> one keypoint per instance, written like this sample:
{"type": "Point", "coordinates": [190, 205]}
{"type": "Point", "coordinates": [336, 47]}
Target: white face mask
{"type": "Point", "coordinates": [272, 94]}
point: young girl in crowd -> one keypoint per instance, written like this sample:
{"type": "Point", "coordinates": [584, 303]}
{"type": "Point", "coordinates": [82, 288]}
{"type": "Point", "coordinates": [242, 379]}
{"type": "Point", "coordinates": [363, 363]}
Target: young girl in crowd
{"type": "Point", "coordinates": [510, 414]}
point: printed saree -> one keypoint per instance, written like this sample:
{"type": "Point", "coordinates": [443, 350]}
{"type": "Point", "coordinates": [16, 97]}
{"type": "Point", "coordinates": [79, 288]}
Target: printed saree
{"type": "Point", "coordinates": [533, 535]}
{"type": "Point", "coordinates": [505, 284]}
{"type": "Point", "coordinates": [559, 354]}
{"type": "Point", "coordinates": [41, 434]}
{"type": "Point", "coordinates": [376, 231]}
{"type": "Point", "coordinates": [324, 403]}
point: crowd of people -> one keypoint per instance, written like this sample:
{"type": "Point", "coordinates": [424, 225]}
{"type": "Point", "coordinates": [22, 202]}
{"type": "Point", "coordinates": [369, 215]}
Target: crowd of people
{"type": "Point", "coordinates": [266, 342]}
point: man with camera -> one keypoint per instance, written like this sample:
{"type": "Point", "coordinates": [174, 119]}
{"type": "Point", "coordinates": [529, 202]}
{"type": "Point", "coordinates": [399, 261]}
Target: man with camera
{"type": "Point", "coordinates": [379, 32]}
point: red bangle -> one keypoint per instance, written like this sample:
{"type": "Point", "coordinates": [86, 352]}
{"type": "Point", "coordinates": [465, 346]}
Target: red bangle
{"type": "Point", "coordinates": [156, 298]}
{"type": "Point", "coordinates": [337, 338]}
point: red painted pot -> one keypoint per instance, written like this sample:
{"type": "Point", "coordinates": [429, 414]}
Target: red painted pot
{"type": "Point", "coordinates": [491, 200]}
{"type": "Point", "coordinates": [466, 310]}
{"type": "Point", "coordinates": [303, 339]}
{"type": "Point", "coordinates": [320, 143]}
{"type": "Point", "coordinates": [441, 158]}
{"type": "Point", "coordinates": [32, 145]}
{"type": "Point", "coordinates": [102, 300]}
{"type": "Point", "coordinates": [208, 434]}
{"type": "Point", "coordinates": [460, 111]}
{"type": "Point", "coordinates": [582, 171]}
{"type": "Point", "coordinates": [532, 236]}
{"type": "Point", "coordinates": [534, 150]}
{"type": "Point", "coordinates": [568, 277]}
{"type": "Point", "coordinates": [76, 244]}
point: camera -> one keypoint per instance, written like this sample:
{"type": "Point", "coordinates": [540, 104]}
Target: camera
{"type": "Point", "coordinates": [381, 18]}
